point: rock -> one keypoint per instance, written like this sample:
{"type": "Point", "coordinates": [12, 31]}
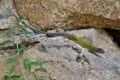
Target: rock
{"type": "Point", "coordinates": [7, 21]}
{"type": "Point", "coordinates": [71, 14]}
{"type": "Point", "coordinates": [5, 4]}
{"type": "Point", "coordinates": [115, 34]}
{"type": "Point", "coordinates": [63, 63]}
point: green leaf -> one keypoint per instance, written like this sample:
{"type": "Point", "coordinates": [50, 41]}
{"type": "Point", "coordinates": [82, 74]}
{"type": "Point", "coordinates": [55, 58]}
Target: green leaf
{"type": "Point", "coordinates": [39, 79]}
{"type": "Point", "coordinates": [6, 42]}
{"type": "Point", "coordinates": [41, 69]}
{"type": "Point", "coordinates": [6, 77]}
{"type": "Point", "coordinates": [24, 31]}
{"type": "Point", "coordinates": [11, 60]}
{"type": "Point", "coordinates": [9, 32]}
{"type": "Point", "coordinates": [22, 50]}
{"type": "Point", "coordinates": [23, 19]}
{"type": "Point", "coordinates": [11, 70]}
{"type": "Point", "coordinates": [27, 65]}
{"type": "Point", "coordinates": [39, 63]}
{"type": "Point", "coordinates": [15, 77]}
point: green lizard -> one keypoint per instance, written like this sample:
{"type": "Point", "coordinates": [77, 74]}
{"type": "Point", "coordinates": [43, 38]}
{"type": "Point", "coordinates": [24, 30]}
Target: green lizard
{"type": "Point", "coordinates": [84, 44]}
{"type": "Point", "coordinates": [72, 37]}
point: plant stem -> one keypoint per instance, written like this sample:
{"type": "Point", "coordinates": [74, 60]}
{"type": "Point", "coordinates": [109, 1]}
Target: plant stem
{"type": "Point", "coordinates": [20, 61]}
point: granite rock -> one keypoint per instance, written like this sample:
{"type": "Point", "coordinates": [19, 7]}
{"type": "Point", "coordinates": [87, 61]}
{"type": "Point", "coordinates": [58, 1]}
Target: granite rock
{"type": "Point", "coordinates": [7, 20]}
{"type": "Point", "coordinates": [70, 14]}
{"type": "Point", "coordinates": [63, 59]}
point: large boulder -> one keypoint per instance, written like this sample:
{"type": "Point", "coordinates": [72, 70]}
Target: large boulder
{"type": "Point", "coordinates": [71, 14]}
{"type": "Point", "coordinates": [65, 63]}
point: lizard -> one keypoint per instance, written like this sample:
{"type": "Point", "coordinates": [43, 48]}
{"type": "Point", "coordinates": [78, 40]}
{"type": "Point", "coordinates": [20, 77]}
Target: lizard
{"type": "Point", "coordinates": [91, 48]}
{"type": "Point", "coordinates": [70, 15]}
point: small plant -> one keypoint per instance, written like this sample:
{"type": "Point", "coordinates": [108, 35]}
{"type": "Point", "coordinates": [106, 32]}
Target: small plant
{"type": "Point", "coordinates": [26, 64]}
{"type": "Point", "coordinates": [23, 19]}
{"type": "Point", "coordinates": [24, 31]}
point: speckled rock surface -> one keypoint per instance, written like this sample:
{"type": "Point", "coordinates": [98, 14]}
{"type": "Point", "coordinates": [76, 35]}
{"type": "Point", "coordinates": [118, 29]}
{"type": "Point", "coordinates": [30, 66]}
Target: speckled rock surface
{"type": "Point", "coordinates": [63, 63]}
{"type": "Point", "coordinates": [5, 4]}
{"type": "Point", "coordinates": [71, 14]}
{"type": "Point", "coordinates": [7, 20]}
{"type": "Point", "coordinates": [63, 60]}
